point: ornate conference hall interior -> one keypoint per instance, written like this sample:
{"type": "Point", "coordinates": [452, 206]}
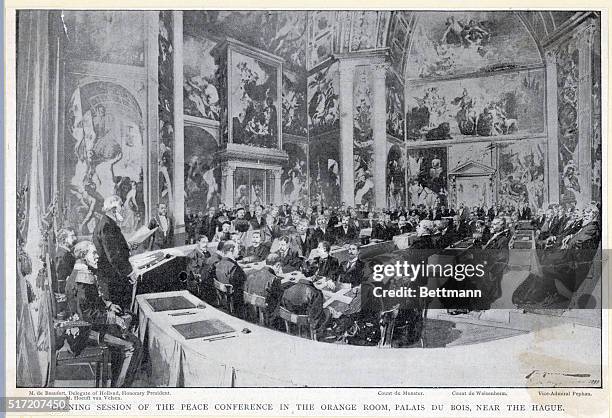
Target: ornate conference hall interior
{"type": "Point", "coordinates": [257, 166]}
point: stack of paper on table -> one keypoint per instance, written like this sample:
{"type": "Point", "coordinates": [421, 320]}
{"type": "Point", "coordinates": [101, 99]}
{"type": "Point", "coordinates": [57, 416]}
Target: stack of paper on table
{"type": "Point", "coordinates": [140, 235]}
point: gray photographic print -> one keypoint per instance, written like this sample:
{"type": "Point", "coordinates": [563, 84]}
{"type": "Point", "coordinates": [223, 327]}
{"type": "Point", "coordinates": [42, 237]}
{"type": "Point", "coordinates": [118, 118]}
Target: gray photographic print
{"type": "Point", "coordinates": [389, 199]}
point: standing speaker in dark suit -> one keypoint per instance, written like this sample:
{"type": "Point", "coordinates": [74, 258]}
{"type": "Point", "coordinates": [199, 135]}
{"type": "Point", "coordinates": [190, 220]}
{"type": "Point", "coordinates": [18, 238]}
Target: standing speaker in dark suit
{"type": "Point", "coordinates": [115, 273]}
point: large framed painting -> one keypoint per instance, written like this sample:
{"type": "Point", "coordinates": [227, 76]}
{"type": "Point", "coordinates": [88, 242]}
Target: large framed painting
{"type": "Point", "coordinates": [254, 99]}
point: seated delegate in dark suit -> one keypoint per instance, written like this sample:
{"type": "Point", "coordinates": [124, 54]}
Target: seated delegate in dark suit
{"type": "Point", "coordinates": [494, 256]}
{"type": "Point", "coordinates": [227, 271]}
{"type": "Point", "coordinates": [197, 266]}
{"type": "Point", "coordinates": [458, 230]}
{"type": "Point", "coordinates": [346, 232]}
{"type": "Point", "coordinates": [250, 213]}
{"type": "Point", "coordinates": [380, 230]}
{"type": "Point", "coordinates": [257, 251]}
{"type": "Point", "coordinates": [304, 240]}
{"type": "Point", "coordinates": [322, 232]}
{"type": "Point", "coordinates": [353, 270]}
{"type": "Point", "coordinates": [446, 236]}
{"type": "Point", "coordinates": [481, 233]}
{"type": "Point", "coordinates": [403, 227]}
{"type": "Point", "coordinates": [208, 274]}
{"type": "Point", "coordinates": [371, 222]}
{"type": "Point", "coordinates": [240, 224]}
{"type": "Point", "coordinates": [109, 323]}
{"type": "Point", "coordinates": [258, 221]}
{"type": "Point", "coordinates": [390, 229]}
{"type": "Point", "coordinates": [304, 299]}
{"type": "Point", "coordinates": [289, 257]}
{"type": "Point", "coordinates": [207, 225]}
{"type": "Point", "coordinates": [224, 234]}
{"type": "Point", "coordinates": [354, 220]}
{"type": "Point", "coordinates": [332, 218]}
{"type": "Point", "coordinates": [267, 283]}
{"type": "Point", "coordinates": [424, 240]}
{"type": "Point", "coordinates": [272, 229]}
{"type": "Point", "coordinates": [570, 264]}
{"type": "Point", "coordinates": [327, 266]}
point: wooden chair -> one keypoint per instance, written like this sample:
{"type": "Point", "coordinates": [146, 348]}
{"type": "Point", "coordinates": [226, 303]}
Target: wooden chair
{"type": "Point", "coordinates": [259, 303]}
{"type": "Point", "coordinates": [225, 295]}
{"type": "Point", "coordinates": [387, 325]}
{"type": "Point", "coordinates": [300, 321]}
{"type": "Point", "coordinates": [98, 355]}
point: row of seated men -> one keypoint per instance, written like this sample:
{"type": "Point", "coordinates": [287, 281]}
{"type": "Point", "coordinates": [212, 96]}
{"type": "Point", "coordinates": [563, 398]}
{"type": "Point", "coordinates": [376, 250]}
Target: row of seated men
{"type": "Point", "coordinates": [223, 266]}
{"type": "Point", "coordinates": [286, 216]}
{"type": "Point", "coordinates": [206, 268]}
{"type": "Point", "coordinates": [301, 297]}
{"type": "Point", "coordinates": [567, 239]}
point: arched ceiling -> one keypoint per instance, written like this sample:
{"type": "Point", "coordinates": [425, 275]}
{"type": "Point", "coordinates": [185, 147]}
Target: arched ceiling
{"type": "Point", "coordinates": [457, 43]}
{"type": "Point", "coordinates": [305, 39]}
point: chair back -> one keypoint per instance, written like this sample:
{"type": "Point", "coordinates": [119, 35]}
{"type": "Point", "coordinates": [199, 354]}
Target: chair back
{"type": "Point", "coordinates": [299, 320]}
{"type": "Point", "coordinates": [222, 287]}
{"type": "Point", "coordinates": [225, 295]}
{"type": "Point", "coordinates": [255, 300]}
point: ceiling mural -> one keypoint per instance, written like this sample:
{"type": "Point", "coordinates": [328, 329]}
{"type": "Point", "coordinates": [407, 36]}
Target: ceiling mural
{"type": "Point", "coordinates": [450, 43]}
{"type": "Point", "coordinates": [332, 32]}
{"type": "Point", "coordinates": [463, 41]}
{"type": "Point", "coordinates": [321, 26]}
{"type": "Point", "coordinates": [280, 33]}
{"type": "Point", "coordinates": [399, 37]}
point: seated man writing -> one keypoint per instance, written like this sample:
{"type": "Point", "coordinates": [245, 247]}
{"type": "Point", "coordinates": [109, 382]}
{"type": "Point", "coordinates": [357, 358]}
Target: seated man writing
{"type": "Point", "coordinates": [198, 265]}
{"type": "Point", "coordinates": [109, 322]}
{"type": "Point", "coordinates": [266, 282]}
{"type": "Point", "coordinates": [304, 299]}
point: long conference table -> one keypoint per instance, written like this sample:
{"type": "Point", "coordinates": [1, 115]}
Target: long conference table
{"type": "Point", "coordinates": [158, 270]}
{"type": "Point", "coordinates": [230, 352]}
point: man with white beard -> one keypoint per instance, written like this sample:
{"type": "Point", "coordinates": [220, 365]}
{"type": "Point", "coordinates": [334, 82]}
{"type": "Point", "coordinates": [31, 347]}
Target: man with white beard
{"type": "Point", "coordinates": [115, 273]}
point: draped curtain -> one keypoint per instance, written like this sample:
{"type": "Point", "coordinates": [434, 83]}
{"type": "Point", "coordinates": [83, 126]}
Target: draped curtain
{"type": "Point", "coordinates": [35, 141]}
